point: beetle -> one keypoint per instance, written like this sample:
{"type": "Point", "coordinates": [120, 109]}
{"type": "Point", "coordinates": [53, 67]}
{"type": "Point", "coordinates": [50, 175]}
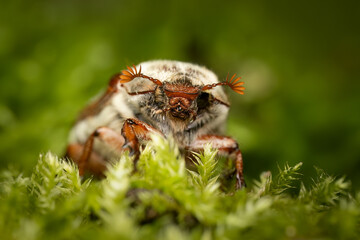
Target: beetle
{"type": "Point", "coordinates": [170, 98]}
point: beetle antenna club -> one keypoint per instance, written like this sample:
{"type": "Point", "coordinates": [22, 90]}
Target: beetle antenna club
{"type": "Point", "coordinates": [233, 83]}
{"type": "Point", "coordinates": [130, 74]}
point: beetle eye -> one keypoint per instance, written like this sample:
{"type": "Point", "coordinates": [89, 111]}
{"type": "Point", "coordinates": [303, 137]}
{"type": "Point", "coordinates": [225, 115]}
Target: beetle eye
{"type": "Point", "coordinates": [203, 100]}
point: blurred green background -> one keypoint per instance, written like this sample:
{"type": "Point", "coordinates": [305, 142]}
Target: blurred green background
{"type": "Point", "coordinates": [299, 60]}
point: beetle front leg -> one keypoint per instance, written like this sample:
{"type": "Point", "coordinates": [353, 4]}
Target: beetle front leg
{"type": "Point", "coordinates": [135, 133]}
{"type": "Point", "coordinates": [226, 146]}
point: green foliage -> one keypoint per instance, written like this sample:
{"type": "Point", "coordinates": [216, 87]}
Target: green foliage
{"type": "Point", "coordinates": [286, 179]}
{"type": "Point", "coordinates": [165, 200]}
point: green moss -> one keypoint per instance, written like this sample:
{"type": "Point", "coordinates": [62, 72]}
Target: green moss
{"type": "Point", "coordinates": [164, 200]}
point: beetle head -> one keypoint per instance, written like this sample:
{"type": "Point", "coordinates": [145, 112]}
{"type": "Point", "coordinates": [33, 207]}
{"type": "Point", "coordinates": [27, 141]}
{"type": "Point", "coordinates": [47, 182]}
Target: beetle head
{"type": "Point", "coordinates": [181, 105]}
{"type": "Point", "coordinates": [181, 100]}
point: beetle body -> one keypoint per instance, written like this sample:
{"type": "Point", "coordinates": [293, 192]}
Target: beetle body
{"type": "Point", "coordinates": [170, 98]}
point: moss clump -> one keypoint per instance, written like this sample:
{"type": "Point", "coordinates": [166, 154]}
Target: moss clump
{"type": "Point", "coordinates": [165, 200]}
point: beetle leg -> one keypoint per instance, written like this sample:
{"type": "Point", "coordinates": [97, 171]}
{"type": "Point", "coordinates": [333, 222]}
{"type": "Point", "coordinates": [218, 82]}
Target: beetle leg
{"type": "Point", "coordinates": [226, 146]}
{"type": "Point", "coordinates": [95, 164]}
{"type": "Point", "coordinates": [87, 157]}
{"type": "Point", "coordinates": [135, 133]}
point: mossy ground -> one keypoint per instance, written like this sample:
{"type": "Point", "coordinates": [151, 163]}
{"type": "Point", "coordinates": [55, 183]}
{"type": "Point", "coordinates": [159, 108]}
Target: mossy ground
{"type": "Point", "coordinates": [165, 200]}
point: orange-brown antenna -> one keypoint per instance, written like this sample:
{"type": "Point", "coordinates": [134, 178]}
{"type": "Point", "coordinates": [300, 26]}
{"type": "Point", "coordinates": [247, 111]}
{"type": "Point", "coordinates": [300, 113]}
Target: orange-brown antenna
{"type": "Point", "coordinates": [130, 74]}
{"type": "Point", "coordinates": [233, 83]}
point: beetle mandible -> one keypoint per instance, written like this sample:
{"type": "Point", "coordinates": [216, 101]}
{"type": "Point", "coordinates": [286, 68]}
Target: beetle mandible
{"type": "Point", "coordinates": [174, 98]}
